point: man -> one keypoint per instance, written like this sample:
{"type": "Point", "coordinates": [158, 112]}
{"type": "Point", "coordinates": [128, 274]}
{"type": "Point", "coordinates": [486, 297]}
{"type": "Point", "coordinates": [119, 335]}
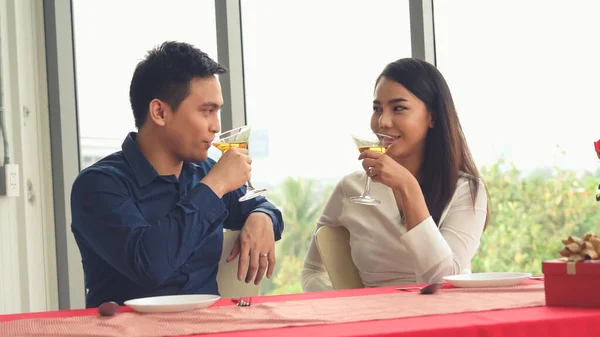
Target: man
{"type": "Point", "coordinates": [149, 219]}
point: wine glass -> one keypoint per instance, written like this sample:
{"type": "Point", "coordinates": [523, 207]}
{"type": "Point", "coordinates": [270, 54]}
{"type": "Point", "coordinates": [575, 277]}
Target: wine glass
{"type": "Point", "coordinates": [373, 142]}
{"type": "Point", "coordinates": [238, 138]}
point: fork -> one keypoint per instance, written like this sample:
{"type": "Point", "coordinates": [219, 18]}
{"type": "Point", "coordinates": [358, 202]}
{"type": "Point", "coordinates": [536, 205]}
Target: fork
{"type": "Point", "coordinates": [426, 290]}
{"type": "Point", "coordinates": [244, 302]}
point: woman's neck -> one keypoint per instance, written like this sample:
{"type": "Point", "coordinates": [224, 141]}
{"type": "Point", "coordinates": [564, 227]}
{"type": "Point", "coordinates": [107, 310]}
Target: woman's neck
{"type": "Point", "coordinates": [412, 163]}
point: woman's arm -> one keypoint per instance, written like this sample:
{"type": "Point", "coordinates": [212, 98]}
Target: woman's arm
{"type": "Point", "coordinates": [313, 276]}
{"type": "Point", "coordinates": [447, 250]}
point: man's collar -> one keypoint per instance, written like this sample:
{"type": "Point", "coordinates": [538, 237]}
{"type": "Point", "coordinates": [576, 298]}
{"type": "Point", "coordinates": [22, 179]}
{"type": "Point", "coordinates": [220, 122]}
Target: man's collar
{"type": "Point", "coordinates": [144, 171]}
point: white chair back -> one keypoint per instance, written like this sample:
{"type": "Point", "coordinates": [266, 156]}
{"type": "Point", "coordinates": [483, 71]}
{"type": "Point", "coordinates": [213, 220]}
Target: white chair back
{"type": "Point", "coordinates": [334, 248]}
{"type": "Point", "coordinates": [229, 285]}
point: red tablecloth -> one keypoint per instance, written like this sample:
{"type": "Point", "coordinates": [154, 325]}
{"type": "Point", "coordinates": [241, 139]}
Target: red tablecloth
{"type": "Point", "coordinates": [538, 321]}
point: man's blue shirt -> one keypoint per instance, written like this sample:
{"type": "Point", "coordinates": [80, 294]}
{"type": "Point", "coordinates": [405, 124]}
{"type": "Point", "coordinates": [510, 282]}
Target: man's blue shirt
{"type": "Point", "coordinates": [141, 234]}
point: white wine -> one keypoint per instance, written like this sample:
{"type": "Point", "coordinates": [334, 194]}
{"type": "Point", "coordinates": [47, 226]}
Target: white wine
{"type": "Point", "coordinates": [380, 148]}
{"type": "Point", "coordinates": [226, 146]}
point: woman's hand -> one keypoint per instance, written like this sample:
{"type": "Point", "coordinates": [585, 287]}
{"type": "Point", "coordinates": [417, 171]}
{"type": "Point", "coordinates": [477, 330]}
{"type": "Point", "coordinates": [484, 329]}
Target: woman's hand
{"type": "Point", "coordinates": [409, 197]}
{"type": "Point", "coordinates": [383, 169]}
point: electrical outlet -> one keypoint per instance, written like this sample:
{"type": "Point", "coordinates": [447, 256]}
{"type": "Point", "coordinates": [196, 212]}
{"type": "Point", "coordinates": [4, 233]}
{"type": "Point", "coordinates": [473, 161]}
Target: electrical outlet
{"type": "Point", "coordinates": [9, 180]}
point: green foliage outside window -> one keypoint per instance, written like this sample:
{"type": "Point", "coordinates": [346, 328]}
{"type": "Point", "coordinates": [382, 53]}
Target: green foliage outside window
{"type": "Point", "coordinates": [530, 215]}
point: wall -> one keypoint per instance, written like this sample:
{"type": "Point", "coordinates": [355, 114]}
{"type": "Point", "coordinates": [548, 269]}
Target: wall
{"type": "Point", "coordinates": [28, 280]}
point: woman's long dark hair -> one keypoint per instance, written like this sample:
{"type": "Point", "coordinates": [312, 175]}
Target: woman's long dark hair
{"type": "Point", "coordinates": [446, 150]}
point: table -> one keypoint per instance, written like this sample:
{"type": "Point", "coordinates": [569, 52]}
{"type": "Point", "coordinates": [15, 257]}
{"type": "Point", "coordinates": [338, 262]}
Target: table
{"type": "Point", "coordinates": [537, 321]}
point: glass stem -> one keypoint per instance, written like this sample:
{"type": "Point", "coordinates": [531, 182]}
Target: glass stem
{"type": "Point", "coordinates": [367, 191]}
{"type": "Point", "coordinates": [250, 187]}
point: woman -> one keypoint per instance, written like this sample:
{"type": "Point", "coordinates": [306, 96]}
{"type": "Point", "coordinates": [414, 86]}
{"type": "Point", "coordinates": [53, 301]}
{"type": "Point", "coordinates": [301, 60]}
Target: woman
{"type": "Point", "coordinates": [434, 203]}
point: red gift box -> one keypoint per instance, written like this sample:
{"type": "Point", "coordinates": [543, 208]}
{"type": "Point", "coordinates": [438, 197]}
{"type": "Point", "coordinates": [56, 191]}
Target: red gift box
{"type": "Point", "coordinates": [572, 284]}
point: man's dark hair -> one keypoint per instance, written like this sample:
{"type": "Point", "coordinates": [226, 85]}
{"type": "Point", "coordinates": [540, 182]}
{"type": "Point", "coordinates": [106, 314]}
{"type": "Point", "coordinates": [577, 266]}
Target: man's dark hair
{"type": "Point", "coordinates": [165, 74]}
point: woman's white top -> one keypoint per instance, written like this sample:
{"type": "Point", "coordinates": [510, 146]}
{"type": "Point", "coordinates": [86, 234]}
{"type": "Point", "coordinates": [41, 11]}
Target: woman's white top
{"type": "Point", "coordinates": [384, 252]}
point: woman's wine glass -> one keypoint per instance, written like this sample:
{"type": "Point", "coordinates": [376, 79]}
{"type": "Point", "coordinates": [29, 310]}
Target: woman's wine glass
{"type": "Point", "coordinates": [372, 142]}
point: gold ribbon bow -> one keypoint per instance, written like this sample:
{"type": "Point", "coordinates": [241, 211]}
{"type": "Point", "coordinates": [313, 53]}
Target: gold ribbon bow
{"type": "Point", "coordinates": [577, 249]}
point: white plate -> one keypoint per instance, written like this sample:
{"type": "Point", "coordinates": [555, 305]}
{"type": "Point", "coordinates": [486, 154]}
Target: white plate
{"type": "Point", "coordinates": [174, 303]}
{"type": "Point", "coordinates": [486, 279]}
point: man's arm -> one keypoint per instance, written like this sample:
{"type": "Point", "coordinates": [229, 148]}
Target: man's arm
{"type": "Point", "coordinates": [106, 218]}
{"type": "Point", "coordinates": [239, 211]}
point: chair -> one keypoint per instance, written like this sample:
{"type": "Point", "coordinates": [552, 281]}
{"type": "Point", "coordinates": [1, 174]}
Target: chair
{"type": "Point", "coordinates": [334, 248]}
{"type": "Point", "coordinates": [229, 285]}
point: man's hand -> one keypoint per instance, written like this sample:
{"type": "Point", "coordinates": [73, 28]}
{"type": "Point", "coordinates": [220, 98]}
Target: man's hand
{"type": "Point", "coordinates": [230, 172]}
{"type": "Point", "coordinates": [256, 248]}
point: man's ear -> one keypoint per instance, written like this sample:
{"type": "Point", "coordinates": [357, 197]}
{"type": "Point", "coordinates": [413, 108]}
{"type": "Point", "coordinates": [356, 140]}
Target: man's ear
{"type": "Point", "coordinates": [157, 111]}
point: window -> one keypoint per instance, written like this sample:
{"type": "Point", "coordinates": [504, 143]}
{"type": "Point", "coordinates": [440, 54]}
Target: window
{"type": "Point", "coordinates": [524, 79]}
{"type": "Point", "coordinates": [529, 76]}
{"type": "Point", "coordinates": [310, 70]}
{"type": "Point", "coordinates": [107, 51]}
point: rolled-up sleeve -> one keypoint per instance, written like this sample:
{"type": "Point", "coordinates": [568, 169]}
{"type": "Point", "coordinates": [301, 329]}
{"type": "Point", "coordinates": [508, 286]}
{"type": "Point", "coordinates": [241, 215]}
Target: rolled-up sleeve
{"type": "Point", "coordinates": [239, 211]}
